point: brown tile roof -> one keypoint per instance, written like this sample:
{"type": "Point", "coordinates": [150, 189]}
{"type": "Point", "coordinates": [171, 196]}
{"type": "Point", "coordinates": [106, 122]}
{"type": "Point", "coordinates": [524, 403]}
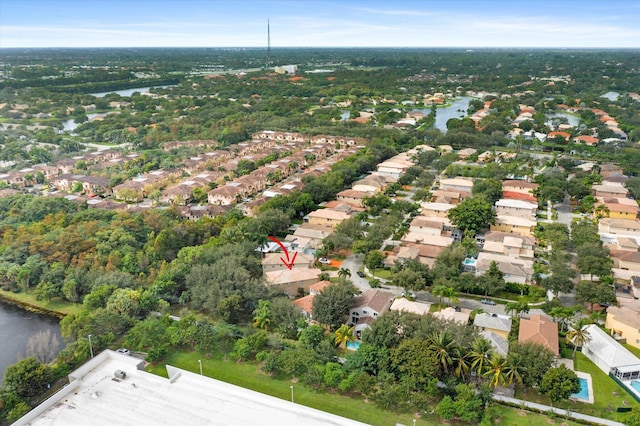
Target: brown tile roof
{"type": "Point", "coordinates": [305, 303]}
{"type": "Point", "coordinates": [374, 299]}
{"type": "Point", "coordinates": [538, 329]}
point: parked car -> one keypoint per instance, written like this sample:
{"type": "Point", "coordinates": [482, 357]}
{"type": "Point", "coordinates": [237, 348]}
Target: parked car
{"type": "Point", "coordinates": [324, 261]}
{"type": "Point", "coordinates": [124, 351]}
{"type": "Point", "coordinates": [488, 302]}
{"type": "Point", "coordinates": [360, 274]}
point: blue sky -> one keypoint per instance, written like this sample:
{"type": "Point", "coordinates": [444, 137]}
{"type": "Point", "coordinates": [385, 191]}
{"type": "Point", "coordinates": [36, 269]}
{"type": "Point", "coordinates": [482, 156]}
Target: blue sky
{"type": "Point", "coordinates": [320, 23]}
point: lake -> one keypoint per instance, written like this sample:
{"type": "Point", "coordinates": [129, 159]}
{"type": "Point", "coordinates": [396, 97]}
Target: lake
{"type": "Point", "coordinates": [70, 125]}
{"type": "Point", "coordinates": [16, 327]}
{"type": "Point", "coordinates": [458, 109]}
{"type": "Point", "coordinates": [129, 92]}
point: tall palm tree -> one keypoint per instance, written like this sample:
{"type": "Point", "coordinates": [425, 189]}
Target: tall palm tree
{"type": "Point", "coordinates": [480, 354]}
{"type": "Point", "coordinates": [344, 335]}
{"type": "Point", "coordinates": [442, 346]}
{"type": "Point", "coordinates": [577, 336]}
{"type": "Point", "coordinates": [461, 363]}
{"type": "Point", "coordinates": [496, 370]}
{"type": "Point", "coordinates": [344, 273]}
{"type": "Point", "coordinates": [262, 315]}
{"type": "Point", "coordinates": [515, 368]}
{"type": "Point", "coordinates": [445, 291]}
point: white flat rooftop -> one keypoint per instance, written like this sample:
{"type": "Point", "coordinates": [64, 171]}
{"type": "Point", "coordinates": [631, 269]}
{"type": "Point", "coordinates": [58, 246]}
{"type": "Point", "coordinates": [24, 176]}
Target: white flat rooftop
{"type": "Point", "coordinates": [95, 398]}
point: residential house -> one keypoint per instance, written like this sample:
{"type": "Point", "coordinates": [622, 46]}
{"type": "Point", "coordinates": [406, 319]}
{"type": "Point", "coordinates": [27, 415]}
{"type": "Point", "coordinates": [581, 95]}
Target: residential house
{"type": "Point", "coordinates": [464, 154]}
{"type": "Point", "coordinates": [540, 330]}
{"type": "Point", "coordinates": [520, 187]}
{"type": "Point", "coordinates": [514, 225]}
{"type": "Point", "coordinates": [402, 304]}
{"type": "Point", "coordinates": [448, 197]}
{"type": "Point", "coordinates": [327, 217]}
{"type": "Point", "coordinates": [371, 184]}
{"type": "Point", "coordinates": [315, 233]}
{"type": "Point", "coordinates": [623, 227]}
{"type": "Point", "coordinates": [607, 170]}
{"type": "Point", "coordinates": [499, 344]}
{"type": "Point", "coordinates": [395, 166]}
{"type": "Point", "coordinates": [610, 356]}
{"type": "Point", "coordinates": [292, 281]}
{"type": "Point", "coordinates": [518, 271]}
{"type": "Point", "coordinates": [609, 190]}
{"type": "Point", "coordinates": [626, 260]}
{"type": "Point", "coordinates": [454, 314]}
{"type": "Point", "coordinates": [367, 307]}
{"type": "Point", "coordinates": [274, 262]}
{"type": "Point", "coordinates": [435, 209]}
{"type": "Point", "coordinates": [305, 306]}
{"type": "Point", "coordinates": [457, 184]}
{"type": "Point", "coordinates": [352, 196]}
{"type": "Point", "coordinates": [510, 245]}
{"type": "Point", "coordinates": [517, 208]}
{"type": "Point", "coordinates": [180, 194]}
{"type": "Point", "coordinates": [624, 322]}
{"type": "Point", "coordinates": [587, 140]}
{"type": "Point", "coordinates": [617, 208]}
{"type": "Point", "coordinates": [499, 324]}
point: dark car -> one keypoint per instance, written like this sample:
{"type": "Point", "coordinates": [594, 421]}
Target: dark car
{"type": "Point", "coordinates": [360, 274]}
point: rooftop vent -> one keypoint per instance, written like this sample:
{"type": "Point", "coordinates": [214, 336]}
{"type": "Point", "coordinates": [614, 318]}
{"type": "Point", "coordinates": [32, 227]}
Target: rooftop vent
{"type": "Point", "coordinates": [119, 374]}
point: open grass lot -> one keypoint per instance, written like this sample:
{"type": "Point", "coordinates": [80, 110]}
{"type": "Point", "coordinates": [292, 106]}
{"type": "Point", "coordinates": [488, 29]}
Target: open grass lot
{"type": "Point", "coordinates": [248, 376]}
{"type": "Point", "coordinates": [514, 416]}
{"type": "Point", "coordinates": [608, 395]}
{"type": "Point", "coordinates": [58, 305]}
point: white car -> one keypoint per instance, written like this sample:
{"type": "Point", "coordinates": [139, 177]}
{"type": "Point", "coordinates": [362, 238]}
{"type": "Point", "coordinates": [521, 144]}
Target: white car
{"type": "Point", "coordinates": [124, 351]}
{"type": "Point", "coordinates": [324, 261]}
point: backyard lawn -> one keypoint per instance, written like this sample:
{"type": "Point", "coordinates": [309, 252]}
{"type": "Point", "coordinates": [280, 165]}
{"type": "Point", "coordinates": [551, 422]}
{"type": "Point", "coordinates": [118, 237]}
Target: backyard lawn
{"type": "Point", "coordinates": [248, 376]}
{"type": "Point", "coordinates": [608, 395]}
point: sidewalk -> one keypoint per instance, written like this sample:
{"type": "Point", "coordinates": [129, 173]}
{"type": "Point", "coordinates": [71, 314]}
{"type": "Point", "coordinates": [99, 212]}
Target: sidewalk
{"type": "Point", "coordinates": [558, 411]}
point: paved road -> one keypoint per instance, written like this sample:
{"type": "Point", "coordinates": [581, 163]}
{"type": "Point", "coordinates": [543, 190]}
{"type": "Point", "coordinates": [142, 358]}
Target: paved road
{"type": "Point", "coordinates": [564, 212]}
{"type": "Point", "coordinates": [353, 264]}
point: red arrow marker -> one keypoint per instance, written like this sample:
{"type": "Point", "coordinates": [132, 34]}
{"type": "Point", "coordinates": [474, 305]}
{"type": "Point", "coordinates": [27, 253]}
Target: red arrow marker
{"type": "Point", "coordinates": [288, 263]}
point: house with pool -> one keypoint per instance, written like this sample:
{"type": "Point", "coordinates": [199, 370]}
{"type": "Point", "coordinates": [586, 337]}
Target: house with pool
{"type": "Point", "coordinates": [613, 358]}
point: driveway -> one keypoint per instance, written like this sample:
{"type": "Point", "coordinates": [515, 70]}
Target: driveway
{"type": "Point", "coordinates": [353, 264]}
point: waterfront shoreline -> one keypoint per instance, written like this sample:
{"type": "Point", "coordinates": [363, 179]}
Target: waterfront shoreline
{"type": "Point", "coordinates": [27, 306]}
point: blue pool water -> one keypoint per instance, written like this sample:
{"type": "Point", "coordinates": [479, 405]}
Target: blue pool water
{"type": "Point", "coordinates": [353, 346]}
{"type": "Point", "coordinates": [584, 390]}
{"type": "Point", "coordinates": [636, 385]}
{"type": "Point", "coordinates": [469, 262]}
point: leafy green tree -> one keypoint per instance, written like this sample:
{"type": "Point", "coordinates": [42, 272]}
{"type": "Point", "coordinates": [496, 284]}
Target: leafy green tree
{"type": "Point", "coordinates": [286, 318]}
{"type": "Point", "coordinates": [409, 279]}
{"type": "Point", "coordinates": [374, 260]}
{"type": "Point", "coordinates": [492, 281]}
{"type": "Point", "coordinates": [559, 383]}
{"type": "Point", "coordinates": [331, 306]}
{"type": "Point", "coordinates": [28, 378]}
{"type": "Point", "coordinates": [595, 292]}
{"type": "Point", "coordinates": [472, 215]}
{"type": "Point", "coordinates": [489, 189]}
{"type": "Point", "coordinates": [537, 360]}
{"type": "Point", "coordinates": [518, 307]}
{"type": "Point", "coordinates": [311, 337]}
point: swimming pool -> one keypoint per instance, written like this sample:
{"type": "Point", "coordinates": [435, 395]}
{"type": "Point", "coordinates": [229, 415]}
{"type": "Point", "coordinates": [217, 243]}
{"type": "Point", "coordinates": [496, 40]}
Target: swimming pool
{"type": "Point", "coordinates": [470, 261]}
{"type": "Point", "coordinates": [584, 390]}
{"type": "Point", "coordinates": [636, 385]}
{"type": "Point", "coordinates": [353, 346]}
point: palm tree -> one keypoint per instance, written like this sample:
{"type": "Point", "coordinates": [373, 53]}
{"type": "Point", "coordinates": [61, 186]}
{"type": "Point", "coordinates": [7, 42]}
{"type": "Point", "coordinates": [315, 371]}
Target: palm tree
{"type": "Point", "coordinates": [344, 335]}
{"type": "Point", "coordinates": [442, 346]}
{"type": "Point", "coordinates": [515, 368]}
{"type": "Point", "coordinates": [517, 307]}
{"type": "Point", "coordinates": [445, 291]}
{"type": "Point", "coordinates": [462, 363]}
{"type": "Point", "coordinates": [601, 211]}
{"type": "Point", "coordinates": [262, 315]}
{"type": "Point", "coordinates": [344, 273]}
{"type": "Point", "coordinates": [497, 370]}
{"type": "Point", "coordinates": [577, 336]}
{"type": "Point", "coordinates": [480, 354]}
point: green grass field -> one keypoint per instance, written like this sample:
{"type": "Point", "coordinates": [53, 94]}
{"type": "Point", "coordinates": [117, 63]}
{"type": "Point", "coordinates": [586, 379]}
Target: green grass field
{"type": "Point", "coordinates": [248, 376]}
{"type": "Point", "coordinates": [57, 306]}
{"type": "Point", "coordinates": [608, 395]}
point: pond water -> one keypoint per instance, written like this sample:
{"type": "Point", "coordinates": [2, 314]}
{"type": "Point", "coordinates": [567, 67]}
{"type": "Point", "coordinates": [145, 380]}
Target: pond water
{"type": "Point", "coordinates": [458, 109]}
{"type": "Point", "coordinates": [70, 125]}
{"type": "Point", "coordinates": [129, 92]}
{"type": "Point", "coordinates": [571, 119]}
{"type": "Point", "coordinates": [16, 327]}
{"type": "Point", "coordinates": [612, 96]}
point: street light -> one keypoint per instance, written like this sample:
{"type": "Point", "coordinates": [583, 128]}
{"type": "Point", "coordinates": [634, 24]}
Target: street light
{"type": "Point", "coordinates": [200, 362]}
{"type": "Point", "coordinates": [291, 387]}
{"type": "Point", "coordinates": [90, 346]}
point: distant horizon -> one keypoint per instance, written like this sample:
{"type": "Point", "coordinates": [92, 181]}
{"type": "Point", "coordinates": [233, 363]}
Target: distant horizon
{"type": "Point", "coordinates": [319, 47]}
{"type": "Point", "coordinates": [462, 24]}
